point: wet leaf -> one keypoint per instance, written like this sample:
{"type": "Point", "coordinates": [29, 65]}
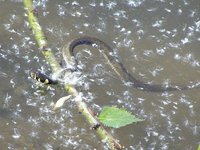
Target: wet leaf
{"type": "Point", "coordinates": [61, 102]}
{"type": "Point", "coordinates": [117, 117]}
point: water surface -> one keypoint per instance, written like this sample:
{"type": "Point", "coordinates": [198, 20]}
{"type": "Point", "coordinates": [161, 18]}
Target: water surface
{"type": "Point", "coordinates": [157, 41]}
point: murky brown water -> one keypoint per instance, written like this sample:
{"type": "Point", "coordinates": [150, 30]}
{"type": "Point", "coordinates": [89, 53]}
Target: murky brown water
{"type": "Point", "coordinates": [158, 42]}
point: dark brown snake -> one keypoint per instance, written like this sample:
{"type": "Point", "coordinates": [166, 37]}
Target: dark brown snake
{"type": "Point", "coordinates": [116, 65]}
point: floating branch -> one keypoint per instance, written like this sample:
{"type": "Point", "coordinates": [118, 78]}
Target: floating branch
{"type": "Point", "coordinates": [50, 58]}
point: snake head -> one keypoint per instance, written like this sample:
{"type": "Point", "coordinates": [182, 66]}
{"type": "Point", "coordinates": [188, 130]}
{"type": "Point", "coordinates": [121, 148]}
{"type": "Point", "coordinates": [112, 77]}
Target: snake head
{"type": "Point", "coordinates": [41, 77]}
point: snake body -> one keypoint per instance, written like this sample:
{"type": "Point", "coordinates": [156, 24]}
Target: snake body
{"type": "Point", "coordinates": [115, 64]}
{"type": "Point", "coordinates": [123, 74]}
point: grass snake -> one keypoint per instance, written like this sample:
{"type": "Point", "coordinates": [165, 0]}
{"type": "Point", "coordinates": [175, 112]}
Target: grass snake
{"type": "Point", "coordinates": [115, 64]}
{"type": "Point", "coordinates": [107, 52]}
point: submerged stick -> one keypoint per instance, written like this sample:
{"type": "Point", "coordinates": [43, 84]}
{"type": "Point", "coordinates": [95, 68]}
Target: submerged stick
{"type": "Point", "coordinates": [51, 60]}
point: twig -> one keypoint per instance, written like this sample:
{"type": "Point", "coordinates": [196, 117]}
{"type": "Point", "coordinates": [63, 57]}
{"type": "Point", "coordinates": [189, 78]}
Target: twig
{"type": "Point", "coordinates": [50, 58]}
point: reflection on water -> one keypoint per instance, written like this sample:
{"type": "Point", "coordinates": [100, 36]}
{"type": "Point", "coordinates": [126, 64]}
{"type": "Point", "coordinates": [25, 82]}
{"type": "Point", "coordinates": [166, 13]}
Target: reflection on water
{"type": "Point", "coordinates": [157, 41]}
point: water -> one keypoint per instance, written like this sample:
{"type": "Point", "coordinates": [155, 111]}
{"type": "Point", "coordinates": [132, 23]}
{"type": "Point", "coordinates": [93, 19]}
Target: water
{"type": "Point", "coordinates": [157, 41]}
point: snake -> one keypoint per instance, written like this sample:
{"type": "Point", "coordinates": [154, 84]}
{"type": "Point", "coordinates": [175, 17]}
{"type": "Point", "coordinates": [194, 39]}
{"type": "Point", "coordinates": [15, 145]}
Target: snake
{"type": "Point", "coordinates": [69, 53]}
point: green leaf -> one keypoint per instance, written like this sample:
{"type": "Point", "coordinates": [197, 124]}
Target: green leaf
{"type": "Point", "coordinates": [198, 147]}
{"type": "Point", "coordinates": [116, 118]}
